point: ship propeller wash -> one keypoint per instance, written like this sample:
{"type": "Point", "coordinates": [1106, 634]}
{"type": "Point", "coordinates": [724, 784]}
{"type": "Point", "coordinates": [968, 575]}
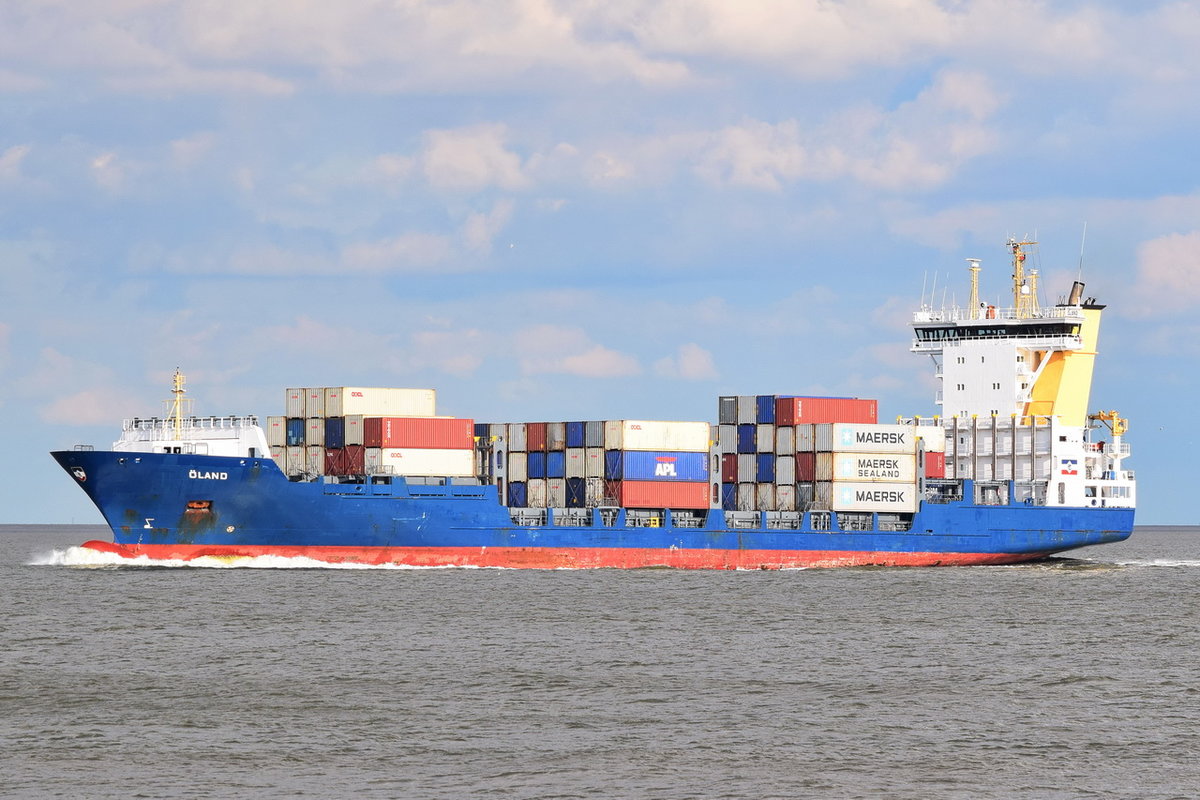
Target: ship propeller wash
{"type": "Point", "coordinates": [1012, 468]}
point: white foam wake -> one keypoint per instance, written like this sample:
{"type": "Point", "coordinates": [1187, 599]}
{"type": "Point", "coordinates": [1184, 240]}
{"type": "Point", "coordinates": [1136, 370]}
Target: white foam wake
{"type": "Point", "coordinates": [87, 558]}
{"type": "Point", "coordinates": [1160, 562]}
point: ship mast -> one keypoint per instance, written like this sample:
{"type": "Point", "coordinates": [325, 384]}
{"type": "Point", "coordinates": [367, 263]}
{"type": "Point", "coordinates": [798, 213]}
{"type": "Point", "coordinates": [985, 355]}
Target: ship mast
{"type": "Point", "coordinates": [1025, 302]}
{"type": "Point", "coordinates": [177, 403]}
{"type": "Point", "coordinates": [974, 303]}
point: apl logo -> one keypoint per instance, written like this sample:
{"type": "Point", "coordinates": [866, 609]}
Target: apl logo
{"type": "Point", "coordinates": [665, 469]}
{"type": "Point", "coordinates": [1070, 466]}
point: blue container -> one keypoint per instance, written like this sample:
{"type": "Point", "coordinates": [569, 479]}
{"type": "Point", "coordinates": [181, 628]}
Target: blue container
{"type": "Point", "coordinates": [481, 429]}
{"type": "Point", "coordinates": [747, 434]}
{"type": "Point", "coordinates": [576, 493]}
{"type": "Point", "coordinates": [766, 468]}
{"type": "Point", "coordinates": [729, 496]}
{"type": "Point", "coordinates": [295, 433]}
{"type": "Point", "coordinates": [766, 408]}
{"type": "Point", "coordinates": [517, 496]}
{"type": "Point", "coordinates": [656, 465]}
{"type": "Point", "coordinates": [575, 434]}
{"type": "Point", "coordinates": [335, 431]}
{"type": "Point", "coordinates": [556, 464]}
{"type": "Point", "coordinates": [535, 466]}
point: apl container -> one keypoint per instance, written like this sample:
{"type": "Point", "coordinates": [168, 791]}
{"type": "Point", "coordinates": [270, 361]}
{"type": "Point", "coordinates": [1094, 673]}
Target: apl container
{"type": "Point", "coordinates": [643, 465]}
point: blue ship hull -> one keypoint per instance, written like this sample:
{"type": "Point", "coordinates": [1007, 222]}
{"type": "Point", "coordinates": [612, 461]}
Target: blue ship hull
{"type": "Point", "coordinates": [185, 506]}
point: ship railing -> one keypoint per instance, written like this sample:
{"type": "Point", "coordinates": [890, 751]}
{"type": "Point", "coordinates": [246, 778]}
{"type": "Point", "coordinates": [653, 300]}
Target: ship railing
{"type": "Point", "coordinates": [782, 520]}
{"type": "Point", "coordinates": [961, 314]}
{"type": "Point", "coordinates": [943, 491]}
{"type": "Point", "coordinates": [83, 448]}
{"type": "Point", "coordinates": [189, 423]}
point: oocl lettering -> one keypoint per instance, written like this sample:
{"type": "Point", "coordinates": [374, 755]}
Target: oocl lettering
{"type": "Point", "coordinates": [356, 394]}
{"type": "Point", "coordinates": [205, 475]}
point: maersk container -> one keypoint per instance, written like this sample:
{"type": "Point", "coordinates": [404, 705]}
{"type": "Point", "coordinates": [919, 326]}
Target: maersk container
{"type": "Point", "coordinates": [277, 431]}
{"type": "Point", "coordinates": [660, 494]}
{"type": "Point", "coordinates": [556, 464]}
{"type": "Point", "coordinates": [295, 432]}
{"type": "Point", "coordinates": [727, 410]}
{"type": "Point", "coordinates": [369, 401]}
{"type": "Point", "coordinates": [536, 465]}
{"type": "Point", "coordinates": [556, 436]}
{"type": "Point", "coordinates": [314, 459]}
{"type": "Point", "coordinates": [576, 493]}
{"type": "Point", "coordinates": [593, 433]}
{"type": "Point", "coordinates": [294, 402]}
{"type": "Point", "coordinates": [747, 436]}
{"type": "Point", "coordinates": [764, 438]}
{"type": "Point", "coordinates": [556, 492]}
{"type": "Point", "coordinates": [517, 439]}
{"type": "Point", "coordinates": [729, 468]}
{"type": "Point", "coordinates": [727, 438]}
{"type": "Point", "coordinates": [314, 401]}
{"type": "Point", "coordinates": [314, 432]}
{"type": "Point", "coordinates": [576, 434]}
{"type": "Point", "coordinates": [645, 465]}
{"type": "Point", "coordinates": [872, 497]}
{"type": "Point", "coordinates": [785, 440]}
{"type": "Point", "coordinates": [933, 438]}
{"type": "Point", "coordinates": [764, 409]}
{"type": "Point", "coordinates": [442, 433]}
{"type": "Point", "coordinates": [764, 497]}
{"type": "Point", "coordinates": [576, 463]}
{"type": "Point", "coordinates": [764, 471]}
{"type": "Point", "coordinates": [747, 467]}
{"type": "Point", "coordinates": [536, 494]}
{"type": "Point", "coordinates": [518, 467]}
{"type": "Point", "coordinates": [335, 433]}
{"type": "Point", "coordinates": [747, 409]}
{"type": "Point", "coordinates": [535, 434]}
{"type": "Point", "coordinates": [429, 461]}
{"type": "Point", "coordinates": [785, 470]}
{"type": "Point", "coordinates": [785, 497]}
{"type": "Point", "coordinates": [853, 438]}
{"type": "Point", "coordinates": [353, 429]}
{"type": "Point", "coordinates": [640, 434]}
{"type": "Point", "coordinates": [808, 410]}
{"type": "Point", "coordinates": [517, 497]}
{"type": "Point", "coordinates": [875, 467]}
{"type": "Point", "coordinates": [294, 458]}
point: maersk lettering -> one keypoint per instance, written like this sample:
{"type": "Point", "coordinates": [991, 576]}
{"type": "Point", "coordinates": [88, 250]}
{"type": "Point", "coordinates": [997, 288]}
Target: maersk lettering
{"type": "Point", "coordinates": [879, 437]}
{"type": "Point", "coordinates": [867, 462]}
{"type": "Point", "coordinates": [878, 496]}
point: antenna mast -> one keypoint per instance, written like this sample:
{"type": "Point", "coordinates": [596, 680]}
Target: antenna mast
{"type": "Point", "coordinates": [177, 404]}
{"type": "Point", "coordinates": [1024, 294]}
{"type": "Point", "coordinates": [974, 302]}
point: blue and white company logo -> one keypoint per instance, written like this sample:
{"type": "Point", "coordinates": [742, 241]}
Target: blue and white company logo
{"type": "Point", "coordinates": [212, 476]}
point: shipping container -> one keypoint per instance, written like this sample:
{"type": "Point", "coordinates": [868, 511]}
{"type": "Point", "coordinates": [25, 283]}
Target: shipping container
{"type": "Point", "coordinates": [785, 440]}
{"type": "Point", "coordinates": [353, 426]}
{"type": "Point", "coordinates": [536, 465]}
{"type": "Point", "coordinates": [593, 433]}
{"type": "Point", "coordinates": [887, 497]}
{"type": "Point", "coordinates": [785, 497]}
{"type": "Point", "coordinates": [645, 465]}
{"type": "Point", "coordinates": [536, 495]}
{"type": "Point", "coordinates": [593, 466]}
{"type": "Point", "coordinates": [314, 459]}
{"type": "Point", "coordinates": [517, 497]}
{"type": "Point", "coordinates": [875, 467]}
{"type": "Point", "coordinates": [577, 489]}
{"type": "Point", "coordinates": [933, 438]}
{"type": "Point", "coordinates": [314, 432]}
{"type": "Point", "coordinates": [556, 492]}
{"type": "Point", "coordinates": [295, 460]}
{"type": "Point", "coordinates": [806, 467]}
{"type": "Point", "coordinates": [576, 434]}
{"type": "Point", "coordinates": [747, 436]}
{"type": "Point", "coordinates": [747, 496]}
{"type": "Point", "coordinates": [727, 438]}
{"type": "Point", "coordinates": [764, 409]}
{"type": "Point", "coordinates": [276, 432]}
{"type": "Point", "coordinates": [517, 438]}
{"type": "Point", "coordinates": [441, 433]}
{"type": "Point", "coordinates": [279, 456]}
{"type": "Point", "coordinates": [367, 401]}
{"type": "Point", "coordinates": [596, 490]}
{"type": "Point", "coordinates": [764, 471]}
{"type": "Point", "coordinates": [747, 409]}
{"type": "Point", "coordinates": [635, 434]}
{"type": "Point", "coordinates": [660, 494]}
{"type": "Point", "coordinates": [854, 438]}
{"type": "Point", "coordinates": [747, 467]}
{"type": "Point", "coordinates": [335, 433]}
{"type": "Point", "coordinates": [535, 436]}
{"type": "Point", "coordinates": [729, 468]}
{"type": "Point", "coordinates": [556, 464]}
{"type": "Point", "coordinates": [372, 461]}
{"type": "Point", "coordinates": [576, 462]}
{"type": "Point", "coordinates": [335, 461]}
{"type": "Point", "coordinates": [807, 410]}
{"type": "Point", "coordinates": [314, 402]}
{"type": "Point", "coordinates": [294, 403]}
{"type": "Point", "coordinates": [765, 497]}
{"type": "Point", "coordinates": [430, 461]}
{"type": "Point", "coordinates": [295, 432]}
{"type": "Point", "coordinates": [352, 458]}
{"type": "Point", "coordinates": [935, 465]}
{"type": "Point", "coordinates": [727, 410]}
{"type": "Point", "coordinates": [518, 467]}
{"type": "Point", "coordinates": [764, 438]}
{"type": "Point", "coordinates": [729, 496]}
{"type": "Point", "coordinates": [556, 436]}
{"type": "Point", "coordinates": [785, 470]}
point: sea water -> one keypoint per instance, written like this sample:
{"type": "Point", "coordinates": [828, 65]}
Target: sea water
{"type": "Point", "coordinates": [1070, 678]}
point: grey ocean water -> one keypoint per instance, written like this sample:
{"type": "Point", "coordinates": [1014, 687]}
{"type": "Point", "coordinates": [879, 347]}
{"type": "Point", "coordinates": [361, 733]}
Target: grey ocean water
{"type": "Point", "coordinates": [1072, 678]}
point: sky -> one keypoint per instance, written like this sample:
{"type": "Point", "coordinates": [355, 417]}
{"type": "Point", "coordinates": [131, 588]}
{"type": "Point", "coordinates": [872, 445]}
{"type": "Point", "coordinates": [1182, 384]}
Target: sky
{"type": "Point", "coordinates": [578, 210]}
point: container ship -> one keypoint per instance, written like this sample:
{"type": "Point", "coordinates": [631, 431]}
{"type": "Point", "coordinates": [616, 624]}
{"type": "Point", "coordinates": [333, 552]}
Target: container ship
{"type": "Point", "coordinates": [1013, 468]}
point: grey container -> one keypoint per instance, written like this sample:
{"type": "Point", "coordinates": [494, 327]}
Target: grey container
{"type": "Point", "coordinates": [785, 471]}
{"type": "Point", "coordinates": [747, 497]}
{"type": "Point", "coordinates": [747, 412]}
{"type": "Point", "coordinates": [747, 467]}
{"type": "Point", "coordinates": [785, 441]}
{"type": "Point", "coordinates": [556, 439]}
{"type": "Point", "coordinates": [518, 466]}
{"type": "Point", "coordinates": [785, 498]}
{"type": "Point", "coordinates": [727, 410]}
{"type": "Point", "coordinates": [593, 433]}
{"type": "Point", "coordinates": [765, 497]}
{"type": "Point", "coordinates": [764, 438]}
{"type": "Point", "coordinates": [727, 438]}
{"type": "Point", "coordinates": [516, 437]}
{"type": "Point", "coordinates": [806, 438]}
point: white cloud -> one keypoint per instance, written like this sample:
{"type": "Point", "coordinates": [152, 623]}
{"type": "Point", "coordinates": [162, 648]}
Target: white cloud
{"type": "Point", "coordinates": [1168, 274]}
{"type": "Point", "coordinates": [691, 362]}
{"type": "Point", "coordinates": [186, 152]}
{"type": "Point", "coordinates": [109, 172]}
{"type": "Point", "coordinates": [10, 161]}
{"type": "Point", "coordinates": [471, 159]}
{"type": "Point", "coordinates": [558, 349]}
{"type": "Point", "coordinates": [408, 251]}
{"type": "Point", "coordinates": [480, 229]}
{"type": "Point", "coordinates": [95, 406]}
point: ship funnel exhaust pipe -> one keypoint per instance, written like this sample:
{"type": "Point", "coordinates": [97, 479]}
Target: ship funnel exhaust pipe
{"type": "Point", "coordinates": [1076, 294]}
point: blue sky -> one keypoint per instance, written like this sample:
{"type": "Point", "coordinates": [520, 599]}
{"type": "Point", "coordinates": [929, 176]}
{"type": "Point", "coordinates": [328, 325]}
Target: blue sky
{"type": "Point", "coordinates": [557, 210]}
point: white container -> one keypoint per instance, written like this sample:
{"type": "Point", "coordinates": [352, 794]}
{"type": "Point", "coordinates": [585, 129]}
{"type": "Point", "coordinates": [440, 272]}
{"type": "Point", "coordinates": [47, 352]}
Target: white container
{"type": "Point", "coordinates": [354, 429]}
{"type": "Point", "coordinates": [576, 463]}
{"type": "Point", "coordinates": [785, 498]}
{"type": "Point", "coordinates": [595, 488]}
{"type": "Point", "coordinates": [314, 431]}
{"type": "Point", "coordinates": [276, 431]}
{"type": "Point", "coordinates": [785, 470]}
{"type": "Point", "coordinates": [874, 467]}
{"type": "Point", "coordinates": [888, 497]}
{"type": "Point", "coordinates": [314, 402]}
{"type": "Point", "coordinates": [371, 460]}
{"type": "Point", "coordinates": [516, 436]}
{"type": "Point", "coordinates": [806, 438]}
{"type": "Point", "coordinates": [593, 462]}
{"type": "Point", "coordinates": [293, 460]}
{"type": "Point", "coordinates": [933, 438]}
{"type": "Point", "coordinates": [764, 437]}
{"type": "Point", "coordinates": [747, 496]}
{"type": "Point", "coordinates": [369, 401]}
{"type": "Point", "coordinates": [294, 403]}
{"type": "Point", "coordinates": [535, 493]}
{"type": "Point", "coordinates": [765, 497]}
{"type": "Point", "coordinates": [314, 460]}
{"type": "Point", "coordinates": [849, 437]}
{"type": "Point", "coordinates": [640, 434]}
{"type": "Point", "coordinates": [556, 492]}
{"type": "Point", "coordinates": [518, 466]}
{"type": "Point", "coordinates": [785, 441]}
{"type": "Point", "coordinates": [428, 461]}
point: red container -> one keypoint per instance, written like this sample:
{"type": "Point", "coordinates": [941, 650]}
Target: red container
{"type": "Point", "coordinates": [935, 465]}
{"type": "Point", "coordinates": [353, 459]}
{"type": "Point", "coordinates": [729, 465]}
{"type": "Point", "coordinates": [806, 467]}
{"type": "Point", "coordinates": [811, 410]}
{"type": "Point", "coordinates": [335, 461]}
{"type": "Point", "coordinates": [535, 435]}
{"type": "Point", "coordinates": [433, 432]}
{"type": "Point", "coordinates": [659, 494]}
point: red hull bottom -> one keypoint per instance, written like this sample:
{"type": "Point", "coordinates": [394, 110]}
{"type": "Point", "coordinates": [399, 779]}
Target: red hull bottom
{"type": "Point", "coordinates": [568, 558]}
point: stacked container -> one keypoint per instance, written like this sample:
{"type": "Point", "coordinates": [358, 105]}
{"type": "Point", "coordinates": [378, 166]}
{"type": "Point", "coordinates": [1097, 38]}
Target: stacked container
{"type": "Point", "coordinates": [857, 467]}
